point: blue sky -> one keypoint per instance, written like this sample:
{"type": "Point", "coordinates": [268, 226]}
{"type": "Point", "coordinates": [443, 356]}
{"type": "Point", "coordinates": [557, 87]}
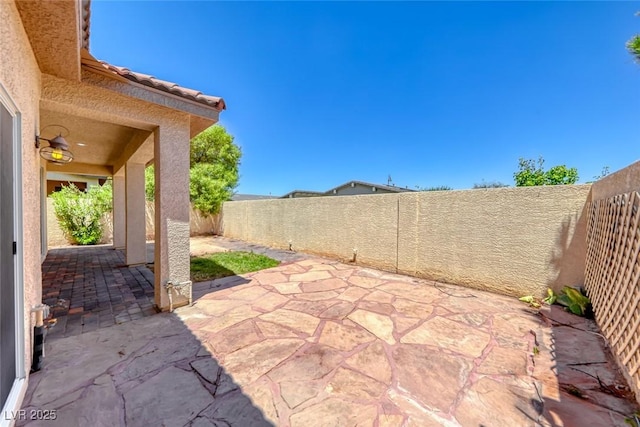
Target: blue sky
{"type": "Point", "coordinates": [430, 93]}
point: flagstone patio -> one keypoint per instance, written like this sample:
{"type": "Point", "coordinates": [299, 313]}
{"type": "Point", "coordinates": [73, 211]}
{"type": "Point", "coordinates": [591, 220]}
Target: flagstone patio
{"type": "Point", "coordinates": [320, 343]}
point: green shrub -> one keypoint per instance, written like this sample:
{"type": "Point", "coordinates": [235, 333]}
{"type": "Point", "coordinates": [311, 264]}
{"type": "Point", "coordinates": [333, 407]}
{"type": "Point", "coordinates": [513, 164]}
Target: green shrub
{"type": "Point", "coordinates": [149, 183]}
{"type": "Point", "coordinates": [575, 302]}
{"type": "Point", "coordinates": [80, 213]}
{"type": "Point", "coordinates": [571, 298]}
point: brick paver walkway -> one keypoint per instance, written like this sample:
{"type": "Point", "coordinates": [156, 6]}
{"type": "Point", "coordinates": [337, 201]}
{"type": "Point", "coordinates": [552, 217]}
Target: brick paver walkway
{"type": "Point", "coordinates": [320, 343]}
{"type": "Point", "coordinates": [90, 288]}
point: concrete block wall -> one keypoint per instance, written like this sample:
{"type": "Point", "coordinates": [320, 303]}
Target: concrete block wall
{"type": "Point", "coordinates": [199, 225]}
{"type": "Point", "coordinates": [513, 241]}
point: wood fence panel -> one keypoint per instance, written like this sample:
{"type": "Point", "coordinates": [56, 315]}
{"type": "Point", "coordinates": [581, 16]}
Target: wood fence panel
{"type": "Point", "coordinates": [612, 276]}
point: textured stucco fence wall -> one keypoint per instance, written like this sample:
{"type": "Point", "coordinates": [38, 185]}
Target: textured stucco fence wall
{"type": "Point", "coordinates": [514, 241]}
{"type": "Point", "coordinates": [199, 225]}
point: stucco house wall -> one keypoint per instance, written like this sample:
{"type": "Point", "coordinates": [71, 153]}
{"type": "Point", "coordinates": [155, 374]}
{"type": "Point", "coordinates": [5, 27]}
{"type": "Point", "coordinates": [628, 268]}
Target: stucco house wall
{"type": "Point", "coordinates": [20, 78]}
{"type": "Point", "coordinates": [48, 76]}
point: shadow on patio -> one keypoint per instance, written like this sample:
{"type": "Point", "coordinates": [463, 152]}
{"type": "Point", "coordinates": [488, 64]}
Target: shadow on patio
{"type": "Point", "coordinates": [318, 343]}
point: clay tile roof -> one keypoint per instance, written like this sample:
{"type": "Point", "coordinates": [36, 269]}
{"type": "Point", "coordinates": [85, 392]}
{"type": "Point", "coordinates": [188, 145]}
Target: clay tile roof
{"type": "Point", "coordinates": [86, 19]}
{"type": "Point", "coordinates": [165, 86]}
{"type": "Point", "coordinates": [145, 79]}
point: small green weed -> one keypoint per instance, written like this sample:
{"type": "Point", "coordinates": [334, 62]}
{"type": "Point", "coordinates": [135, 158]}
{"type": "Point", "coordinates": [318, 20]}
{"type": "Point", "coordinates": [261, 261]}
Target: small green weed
{"type": "Point", "coordinates": [575, 301]}
{"type": "Point", "coordinates": [571, 298]}
{"type": "Point", "coordinates": [531, 300]}
{"type": "Point", "coordinates": [633, 420]}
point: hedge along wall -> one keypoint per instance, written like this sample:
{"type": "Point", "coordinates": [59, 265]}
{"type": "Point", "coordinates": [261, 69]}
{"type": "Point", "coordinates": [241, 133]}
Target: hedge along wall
{"type": "Point", "coordinates": [514, 241]}
{"type": "Point", "coordinates": [200, 225]}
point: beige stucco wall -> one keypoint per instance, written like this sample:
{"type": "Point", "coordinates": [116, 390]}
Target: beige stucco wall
{"type": "Point", "coordinates": [20, 77]}
{"type": "Point", "coordinates": [623, 181]}
{"type": "Point", "coordinates": [199, 225]}
{"type": "Point", "coordinates": [514, 241]}
{"type": "Point", "coordinates": [136, 248]}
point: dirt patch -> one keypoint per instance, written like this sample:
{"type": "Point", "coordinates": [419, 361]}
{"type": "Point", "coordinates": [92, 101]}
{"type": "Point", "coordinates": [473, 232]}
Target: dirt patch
{"type": "Point", "coordinates": [202, 245]}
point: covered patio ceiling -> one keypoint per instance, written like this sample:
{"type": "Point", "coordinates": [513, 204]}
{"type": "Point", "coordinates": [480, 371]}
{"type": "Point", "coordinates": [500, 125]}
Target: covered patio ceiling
{"type": "Point", "coordinates": [92, 142]}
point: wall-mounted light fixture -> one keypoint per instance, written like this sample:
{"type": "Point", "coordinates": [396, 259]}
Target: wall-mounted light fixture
{"type": "Point", "coordinates": [57, 151]}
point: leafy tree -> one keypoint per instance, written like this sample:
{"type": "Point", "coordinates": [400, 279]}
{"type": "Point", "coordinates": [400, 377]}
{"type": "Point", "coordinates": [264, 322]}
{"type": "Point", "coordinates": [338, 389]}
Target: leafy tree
{"type": "Point", "coordinates": [214, 145]}
{"type": "Point", "coordinates": [531, 173]}
{"type": "Point", "coordinates": [80, 212]}
{"type": "Point", "coordinates": [214, 170]}
{"type": "Point", "coordinates": [149, 183]}
{"type": "Point", "coordinates": [633, 45]}
{"type": "Point", "coordinates": [561, 175]}
{"type": "Point", "coordinates": [492, 184]}
{"type": "Point", "coordinates": [210, 186]}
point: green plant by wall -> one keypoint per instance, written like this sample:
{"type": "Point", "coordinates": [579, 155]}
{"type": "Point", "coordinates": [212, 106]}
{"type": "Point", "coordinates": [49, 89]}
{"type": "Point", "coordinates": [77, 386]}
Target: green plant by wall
{"type": "Point", "coordinates": [572, 299]}
{"type": "Point", "coordinates": [575, 301]}
{"type": "Point", "coordinates": [80, 213]}
{"type": "Point", "coordinates": [633, 420]}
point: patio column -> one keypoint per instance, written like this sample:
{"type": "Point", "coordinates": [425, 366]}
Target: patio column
{"type": "Point", "coordinates": [136, 244]}
{"type": "Point", "coordinates": [119, 212]}
{"type": "Point", "coordinates": [171, 153]}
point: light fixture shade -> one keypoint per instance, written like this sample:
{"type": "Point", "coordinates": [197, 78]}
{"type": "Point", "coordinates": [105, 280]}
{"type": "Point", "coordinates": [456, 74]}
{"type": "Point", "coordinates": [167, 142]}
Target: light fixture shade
{"type": "Point", "coordinates": [56, 155]}
{"type": "Point", "coordinates": [57, 151]}
{"type": "Point", "coordinates": [59, 142]}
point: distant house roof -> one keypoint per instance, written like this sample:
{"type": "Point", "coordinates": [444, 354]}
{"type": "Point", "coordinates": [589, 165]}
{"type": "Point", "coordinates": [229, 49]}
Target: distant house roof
{"type": "Point", "coordinates": [240, 197]}
{"type": "Point", "coordinates": [302, 193]}
{"type": "Point", "coordinates": [308, 193]}
{"type": "Point", "coordinates": [391, 188]}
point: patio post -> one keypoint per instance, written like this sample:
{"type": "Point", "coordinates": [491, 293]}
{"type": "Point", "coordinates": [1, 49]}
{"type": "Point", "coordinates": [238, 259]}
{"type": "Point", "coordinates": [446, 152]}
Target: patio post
{"type": "Point", "coordinates": [136, 247]}
{"type": "Point", "coordinates": [171, 153]}
{"type": "Point", "coordinates": [119, 212]}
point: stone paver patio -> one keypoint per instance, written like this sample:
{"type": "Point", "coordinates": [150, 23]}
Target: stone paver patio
{"type": "Point", "coordinates": [91, 287]}
{"type": "Point", "coordinates": [320, 343]}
